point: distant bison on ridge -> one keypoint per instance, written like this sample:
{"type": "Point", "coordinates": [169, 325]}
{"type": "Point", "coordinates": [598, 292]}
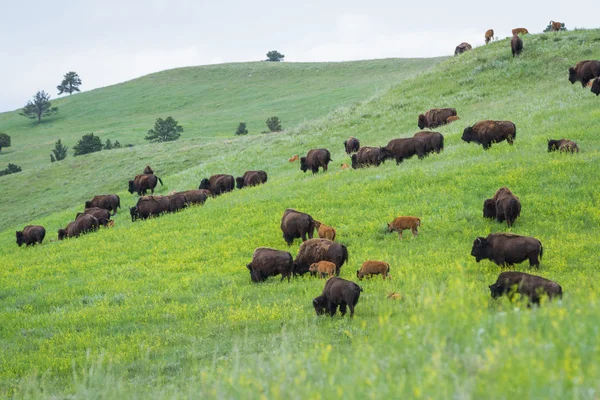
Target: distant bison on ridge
{"type": "Point", "coordinates": [520, 31]}
{"type": "Point", "coordinates": [503, 206]}
{"type": "Point", "coordinates": [296, 224]}
{"type": "Point", "coordinates": [563, 145]}
{"type": "Point", "coordinates": [489, 35]}
{"type": "Point", "coordinates": [516, 45]}
{"type": "Point", "coordinates": [218, 184]}
{"type": "Point", "coordinates": [315, 159]}
{"type": "Point", "coordinates": [435, 117]}
{"type": "Point", "coordinates": [531, 286]}
{"type": "Point", "coordinates": [508, 249]}
{"type": "Point", "coordinates": [315, 250]}
{"type": "Point", "coordinates": [337, 292]}
{"type": "Point", "coordinates": [351, 145]}
{"type": "Point", "coordinates": [251, 178]}
{"type": "Point", "coordinates": [488, 132]}
{"type": "Point", "coordinates": [461, 48]}
{"type": "Point", "coordinates": [142, 183]}
{"type": "Point", "coordinates": [109, 202]}
{"type": "Point", "coordinates": [30, 235]}
{"type": "Point", "coordinates": [270, 262]}
{"type": "Point", "coordinates": [584, 71]}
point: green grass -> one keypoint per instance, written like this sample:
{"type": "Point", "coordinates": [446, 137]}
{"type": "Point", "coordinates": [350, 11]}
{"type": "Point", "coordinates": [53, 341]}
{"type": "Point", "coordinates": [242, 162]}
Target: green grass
{"type": "Point", "coordinates": [165, 308]}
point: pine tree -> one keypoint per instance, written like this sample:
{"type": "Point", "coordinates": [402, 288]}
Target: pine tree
{"type": "Point", "coordinates": [274, 124]}
{"type": "Point", "coordinates": [241, 129]}
{"type": "Point", "coordinates": [165, 130]}
{"type": "Point", "coordinates": [274, 55]}
{"type": "Point", "coordinates": [39, 107]}
{"type": "Point", "coordinates": [70, 83]}
{"type": "Point", "coordinates": [4, 141]}
{"type": "Point", "coordinates": [88, 144]}
{"type": "Point", "coordinates": [60, 151]}
{"type": "Point", "coordinates": [108, 145]}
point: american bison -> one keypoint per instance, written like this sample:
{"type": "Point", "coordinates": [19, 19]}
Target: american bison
{"type": "Point", "coordinates": [270, 262]}
{"type": "Point", "coordinates": [531, 286]}
{"type": "Point", "coordinates": [148, 206]}
{"type": "Point", "coordinates": [402, 223]}
{"type": "Point", "coordinates": [142, 183]}
{"type": "Point", "coordinates": [102, 215]}
{"type": "Point", "coordinates": [489, 35]}
{"type": "Point", "coordinates": [251, 178]}
{"type": "Point", "coordinates": [324, 231]}
{"type": "Point", "coordinates": [488, 132]}
{"type": "Point", "coordinates": [435, 117]}
{"type": "Point", "coordinates": [323, 268]}
{"type": "Point", "coordinates": [461, 48]}
{"type": "Point", "coordinates": [564, 145]}
{"type": "Point", "coordinates": [315, 159]}
{"type": "Point", "coordinates": [30, 235]}
{"type": "Point", "coordinates": [516, 45]}
{"type": "Point", "coordinates": [596, 86]}
{"type": "Point", "coordinates": [148, 170]}
{"type": "Point", "coordinates": [520, 31]}
{"type": "Point", "coordinates": [403, 148]}
{"type": "Point", "coordinates": [85, 223]}
{"type": "Point", "coordinates": [352, 145]}
{"type": "Point", "coordinates": [109, 202]}
{"type": "Point", "coordinates": [584, 71]}
{"type": "Point", "coordinates": [218, 184]}
{"type": "Point", "coordinates": [337, 292]}
{"type": "Point", "coordinates": [508, 249]}
{"type": "Point", "coordinates": [296, 224]}
{"type": "Point", "coordinates": [344, 166]}
{"type": "Point", "coordinates": [315, 250]}
{"type": "Point", "coordinates": [451, 119]}
{"type": "Point", "coordinates": [434, 141]}
{"type": "Point", "coordinates": [197, 196]}
{"type": "Point", "coordinates": [367, 156]}
{"type": "Point", "coordinates": [503, 206]}
{"type": "Point", "coordinates": [555, 26]}
{"type": "Point", "coordinates": [294, 158]}
{"type": "Point", "coordinates": [177, 201]}
{"type": "Point", "coordinates": [372, 267]}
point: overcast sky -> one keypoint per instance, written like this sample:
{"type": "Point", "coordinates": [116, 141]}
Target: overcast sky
{"type": "Point", "coordinates": [112, 41]}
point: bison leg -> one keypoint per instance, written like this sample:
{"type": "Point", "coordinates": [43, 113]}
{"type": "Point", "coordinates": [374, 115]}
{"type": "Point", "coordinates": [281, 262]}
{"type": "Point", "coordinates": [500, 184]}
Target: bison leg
{"type": "Point", "coordinates": [415, 232]}
{"type": "Point", "coordinates": [510, 140]}
{"type": "Point", "coordinates": [303, 235]}
{"type": "Point", "coordinates": [331, 307]}
{"type": "Point", "coordinates": [486, 145]}
{"type": "Point", "coordinates": [400, 234]}
{"type": "Point", "coordinates": [337, 270]}
{"type": "Point", "coordinates": [398, 160]}
{"type": "Point", "coordinates": [289, 240]}
{"type": "Point", "coordinates": [343, 308]}
{"type": "Point", "coordinates": [325, 167]}
{"type": "Point", "coordinates": [534, 261]}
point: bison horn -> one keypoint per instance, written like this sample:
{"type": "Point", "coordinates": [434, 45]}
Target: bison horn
{"type": "Point", "coordinates": [315, 302]}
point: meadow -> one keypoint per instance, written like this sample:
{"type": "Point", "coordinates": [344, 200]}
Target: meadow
{"type": "Point", "coordinates": [165, 308]}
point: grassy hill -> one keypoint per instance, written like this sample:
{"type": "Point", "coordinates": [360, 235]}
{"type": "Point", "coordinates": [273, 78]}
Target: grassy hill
{"type": "Point", "coordinates": [165, 308]}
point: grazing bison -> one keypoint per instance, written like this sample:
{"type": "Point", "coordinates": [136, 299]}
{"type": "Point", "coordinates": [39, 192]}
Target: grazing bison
{"type": "Point", "coordinates": [520, 31]}
{"type": "Point", "coordinates": [251, 178]}
{"type": "Point", "coordinates": [461, 48]}
{"type": "Point", "coordinates": [488, 132]}
{"type": "Point", "coordinates": [85, 223]}
{"type": "Point", "coordinates": [596, 86]}
{"type": "Point", "coordinates": [531, 286]}
{"type": "Point", "coordinates": [489, 35]}
{"type": "Point", "coordinates": [434, 141]}
{"type": "Point", "coordinates": [218, 184]}
{"type": "Point", "coordinates": [294, 158]}
{"type": "Point", "coordinates": [508, 249]}
{"type": "Point", "coordinates": [270, 262]}
{"type": "Point", "coordinates": [296, 224]}
{"type": "Point", "coordinates": [197, 196]}
{"type": "Point", "coordinates": [372, 267]}
{"type": "Point", "coordinates": [142, 182]}
{"type": "Point", "coordinates": [315, 250]}
{"type": "Point", "coordinates": [503, 206]}
{"type": "Point", "coordinates": [148, 170]}
{"type": "Point", "coordinates": [402, 223]}
{"type": "Point", "coordinates": [337, 292]}
{"type": "Point", "coordinates": [315, 159]}
{"type": "Point", "coordinates": [109, 202]}
{"type": "Point", "coordinates": [148, 206]}
{"type": "Point", "coordinates": [177, 201]}
{"type": "Point", "coordinates": [367, 156]}
{"type": "Point", "coordinates": [324, 231]}
{"type": "Point", "coordinates": [435, 117]}
{"type": "Point", "coordinates": [516, 45]}
{"type": "Point", "coordinates": [351, 145]}
{"type": "Point", "coordinates": [451, 119]}
{"type": "Point", "coordinates": [31, 234]}
{"type": "Point", "coordinates": [323, 268]}
{"type": "Point", "coordinates": [102, 215]}
{"type": "Point", "coordinates": [403, 148]}
{"type": "Point", "coordinates": [584, 71]}
{"type": "Point", "coordinates": [555, 26]}
{"type": "Point", "coordinates": [564, 145]}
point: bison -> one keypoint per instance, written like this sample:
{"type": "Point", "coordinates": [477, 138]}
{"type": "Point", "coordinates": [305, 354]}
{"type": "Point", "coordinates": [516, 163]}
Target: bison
{"type": "Point", "coordinates": [30, 235]}
{"type": "Point", "coordinates": [555, 26]}
{"type": "Point", "coordinates": [337, 292]}
{"type": "Point", "coordinates": [315, 159]}
{"type": "Point", "coordinates": [451, 119]}
{"type": "Point", "coordinates": [315, 250]}
{"type": "Point", "coordinates": [251, 178]}
{"type": "Point", "coordinates": [148, 170]}
{"type": "Point", "coordinates": [270, 262]}
{"type": "Point", "coordinates": [461, 48]}
{"type": "Point", "coordinates": [344, 166]}
{"type": "Point", "coordinates": [109, 202]}
{"type": "Point", "coordinates": [296, 224]}
{"type": "Point", "coordinates": [142, 183]}
{"type": "Point", "coordinates": [508, 249]}
{"type": "Point", "coordinates": [584, 71]}
{"type": "Point", "coordinates": [403, 148]}
{"type": "Point", "coordinates": [564, 145]}
{"type": "Point", "coordinates": [148, 206]}
{"type": "Point", "coordinates": [503, 206]}
{"type": "Point", "coordinates": [489, 35]}
{"type": "Point", "coordinates": [294, 158]}
{"type": "Point", "coordinates": [596, 86]}
{"type": "Point", "coordinates": [402, 223]}
{"type": "Point", "coordinates": [520, 31]}
{"type": "Point", "coordinates": [351, 145]}
{"type": "Point", "coordinates": [531, 286]}
{"type": "Point", "coordinates": [324, 231]}
{"type": "Point", "coordinates": [516, 45]}
{"type": "Point", "coordinates": [322, 268]}
{"type": "Point", "coordinates": [368, 156]}
{"type": "Point", "coordinates": [197, 196]}
{"type": "Point", "coordinates": [102, 215]}
{"type": "Point", "coordinates": [372, 267]}
{"type": "Point", "coordinates": [177, 201]}
{"type": "Point", "coordinates": [218, 184]}
{"type": "Point", "coordinates": [434, 141]}
{"type": "Point", "coordinates": [435, 117]}
{"type": "Point", "coordinates": [85, 223]}
{"type": "Point", "coordinates": [488, 132]}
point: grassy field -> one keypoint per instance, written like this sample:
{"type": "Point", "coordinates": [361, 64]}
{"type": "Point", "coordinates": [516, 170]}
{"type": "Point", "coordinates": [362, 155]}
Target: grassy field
{"type": "Point", "coordinates": [165, 308]}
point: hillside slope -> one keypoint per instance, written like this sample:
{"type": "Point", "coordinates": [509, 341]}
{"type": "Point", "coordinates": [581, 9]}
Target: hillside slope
{"type": "Point", "coordinates": [165, 307]}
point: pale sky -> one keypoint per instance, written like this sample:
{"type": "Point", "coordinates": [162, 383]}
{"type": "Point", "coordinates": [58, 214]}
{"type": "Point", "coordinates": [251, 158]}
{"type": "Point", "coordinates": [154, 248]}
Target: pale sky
{"type": "Point", "coordinates": [112, 41]}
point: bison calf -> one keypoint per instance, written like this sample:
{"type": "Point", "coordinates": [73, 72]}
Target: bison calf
{"type": "Point", "coordinates": [402, 223]}
{"type": "Point", "coordinates": [520, 31]}
{"type": "Point", "coordinates": [373, 268]}
{"type": "Point", "coordinates": [531, 286]}
{"type": "Point", "coordinates": [30, 235]}
{"type": "Point", "coordinates": [489, 35]}
{"type": "Point", "coordinates": [324, 231]}
{"type": "Point", "coordinates": [270, 262]}
{"type": "Point", "coordinates": [322, 268]}
{"type": "Point", "coordinates": [563, 145]}
{"type": "Point", "coordinates": [508, 249]}
{"type": "Point", "coordinates": [337, 292]}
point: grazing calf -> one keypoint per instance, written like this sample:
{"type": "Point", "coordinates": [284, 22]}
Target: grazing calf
{"type": "Point", "coordinates": [563, 145]}
{"type": "Point", "coordinates": [489, 35]}
{"type": "Point", "coordinates": [324, 231]}
{"type": "Point", "coordinates": [452, 118]}
{"type": "Point", "coordinates": [296, 224]}
{"type": "Point", "coordinates": [31, 234]}
{"type": "Point", "coordinates": [531, 286]}
{"type": "Point", "coordinates": [520, 31]}
{"type": "Point", "coordinates": [322, 268]}
{"type": "Point", "coordinates": [345, 166]}
{"type": "Point", "coordinates": [351, 145]}
{"type": "Point", "coordinates": [337, 292]}
{"type": "Point", "coordinates": [394, 296]}
{"type": "Point", "coordinates": [503, 206]}
{"type": "Point", "coordinates": [516, 45]}
{"type": "Point", "coordinates": [402, 223]}
{"type": "Point", "coordinates": [508, 249]}
{"type": "Point", "coordinates": [294, 158]}
{"type": "Point", "coordinates": [270, 262]}
{"type": "Point", "coordinates": [372, 267]}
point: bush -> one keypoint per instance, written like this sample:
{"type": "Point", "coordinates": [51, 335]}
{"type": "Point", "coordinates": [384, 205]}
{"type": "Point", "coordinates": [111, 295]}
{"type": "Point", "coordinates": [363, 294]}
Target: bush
{"type": "Point", "coordinates": [59, 151]}
{"type": "Point", "coordinates": [4, 141]}
{"type": "Point", "coordinates": [10, 169]}
{"type": "Point", "coordinates": [274, 55]}
{"type": "Point", "coordinates": [241, 129]}
{"type": "Point", "coordinates": [274, 124]}
{"type": "Point", "coordinates": [165, 130]}
{"type": "Point", "coordinates": [108, 145]}
{"type": "Point", "coordinates": [88, 144]}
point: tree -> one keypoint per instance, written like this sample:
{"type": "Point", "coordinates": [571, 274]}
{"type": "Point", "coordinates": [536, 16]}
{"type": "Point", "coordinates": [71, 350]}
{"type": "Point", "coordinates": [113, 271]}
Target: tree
{"type": "Point", "coordinates": [241, 129]}
{"type": "Point", "coordinates": [60, 151]}
{"type": "Point", "coordinates": [549, 27]}
{"type": "Point", "coordinates": [108, 145]}
{"type": "Point", "coordinates": [10, 169]}
{"type": "Point", "coordinates": [116, 144]}
{"type": "Point", "coordinates": [164, 130]}
{"type": "Point", "coordinates": [88, 144]}
{"type": "Point", "coordinates": [39, 107]}
{"type": "Point", "coordinates": [70, 83]}
{"type": "Point", "coordinates": [274, 124]}
{"type": "Point", "coordinates": [4, 141]}
{"type": "Point", "coordinates": [274, 55]}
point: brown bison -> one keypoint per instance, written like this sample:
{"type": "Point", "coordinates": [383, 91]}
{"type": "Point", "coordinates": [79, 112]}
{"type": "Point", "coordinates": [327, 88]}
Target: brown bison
{"type": "Point", "coordinates": [323, 268]}
{"type": "Point", "coordinates": [489, 35]}
{"type": "Point", "coordinates": [31, 234]}
{"type": "Point", "coordinates": [372, 267]}
{"type": "Point", "coordinates": [218, 184]}
{"type": "Point", "coordinates": [294, 158]}
{"type": "Point", "coordinates": [85, 223]}
{"type": "Point", "coordinates": [148, 206]}
{"type": "Point", "coordinates": [516, 45]}
{"type": "Point", "coordinates": [531, 286]}
{"type": "Point", "coordinates": [197, 196]}
{"type": "Point", "coordinates": [102, 215]}
{"type": "Point", "coordinates": [461, 48]}
{"type": "Point", "coordinates": [435, 117]}
{"type": "Point", "coordinates": [315, 250]}
{"type": "Point", "coordinates": [337, 292]}
{"type": "Point", "coordinates": [555, 26]}
{"type": "Point", "coordinates": [351, 145]}
{"type": "Point", "coordinates": [324, 231]}
{"type": "Point", "coordinates": [315, 159]}
{"type": "Point", "coordinates": [148, 170]}
{"type": "Point", "coordinates": [584, 71]}
{"type": "Point", "coordinates": [402, 223]}
{"type": "Point", "coordinates": [508, 249]}
{"type": "Point", "coordinates": [488, 132]}
{"type": "Point", "coordinates": [345, 166]}
{"type": "Point", "coordinates": [403, 148]}
{"type": "Point", "coordinates": [251, 178]}
{"type": "Point", "coordinates": [270, 262]}
{"type": "Point", "coordinates": [503, 206]}
{"type": "Point", "coordinates": [142, 183]}
{"type": "Point", "coordinates": [596, 86]}
{"type": "Point", "coordinates": [434, 141]}
{"type": "Point", "coordinates": [451, 119]}
{"type": "Point", "coordinates": [367, 156]}
{"type": "Point", "coordinates": [177, 201]}
{"type": "Point", "coordinates": [564, 145]}
{"type": "Point", "coordinates": [109, 202]}
{"type": "Point", "coordinates": [520, 31]}
{"type": "Point", "coordinates": [296, 224]}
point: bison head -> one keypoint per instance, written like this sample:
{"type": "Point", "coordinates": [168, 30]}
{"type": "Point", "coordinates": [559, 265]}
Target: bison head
{"type": "Point", "coordinates": [61, 234]}
{"type": "Point", "coordinates": [314, 268]}
{"type": "Point", "coordinates": [359, 275]}
{"type": "Point", "coordinates": [480, 248]}
{"type": "Point", "coordinates": [553, 145]}
{"type": "Point", "coordinates": [354, 162]}
{"type": "Point", "coordinates": [346, 146]}
{"type": "Point", "coordinates": [133, 211]}
{"type": "Point", "coordinates": [88, 204]}
{"type": "Point", "coordinates": [240, 182]}
{"type": "Point", "coordinates": [489, 209]}
{"type": "Point", "coordinates": [496, 290]}
{"type": "Point", "coordinates": [204, 184]}
{"type": "Point", "coordinates": [467, 135]}
{"type": "Point", "coordinates": [596, 86]}
{"type": "Point", "coordinates": [131, 187]}
{"type": "Point", "coordinates": [572, 75]}
{"type": "Point", "coordinates": [19, 238]}
{"type": "Point", "coordinates": [421, 122]}
{"type": "Point", "coordinates": [320, 304]}
{"type": "Point", "coordinates": [303, 165]}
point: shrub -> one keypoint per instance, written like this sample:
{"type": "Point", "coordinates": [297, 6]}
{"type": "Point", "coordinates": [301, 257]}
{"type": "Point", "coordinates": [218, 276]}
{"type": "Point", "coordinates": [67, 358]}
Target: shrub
{"type": "Point", "coordinates": [88, 144]}
{"type": "Point", "coordinates": [274, 124]}
{"type": "Point", "coordinates": [10, 169]}
{"type": "Point", "coordinates": [165, 130]}
{"type": "Point", "coordinates": [241, 129]}
{"type": "Point", "coordinates": [4, 141]}
{"type": "Point", "coordinates": [59, 151]}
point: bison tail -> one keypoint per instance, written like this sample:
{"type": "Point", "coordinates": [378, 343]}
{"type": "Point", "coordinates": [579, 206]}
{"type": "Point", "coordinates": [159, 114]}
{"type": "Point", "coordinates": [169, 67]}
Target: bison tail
{"type": "Point", "coordinates": [515, 134]}
{"type": "Point", "coordinates": [360, 288]}
{"type": "Point", "coordinates": [541, 250]}
{"type": "Point", "coordinates": [345, 255]}
{"type": "Point", "coordinates": [160, 180]}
